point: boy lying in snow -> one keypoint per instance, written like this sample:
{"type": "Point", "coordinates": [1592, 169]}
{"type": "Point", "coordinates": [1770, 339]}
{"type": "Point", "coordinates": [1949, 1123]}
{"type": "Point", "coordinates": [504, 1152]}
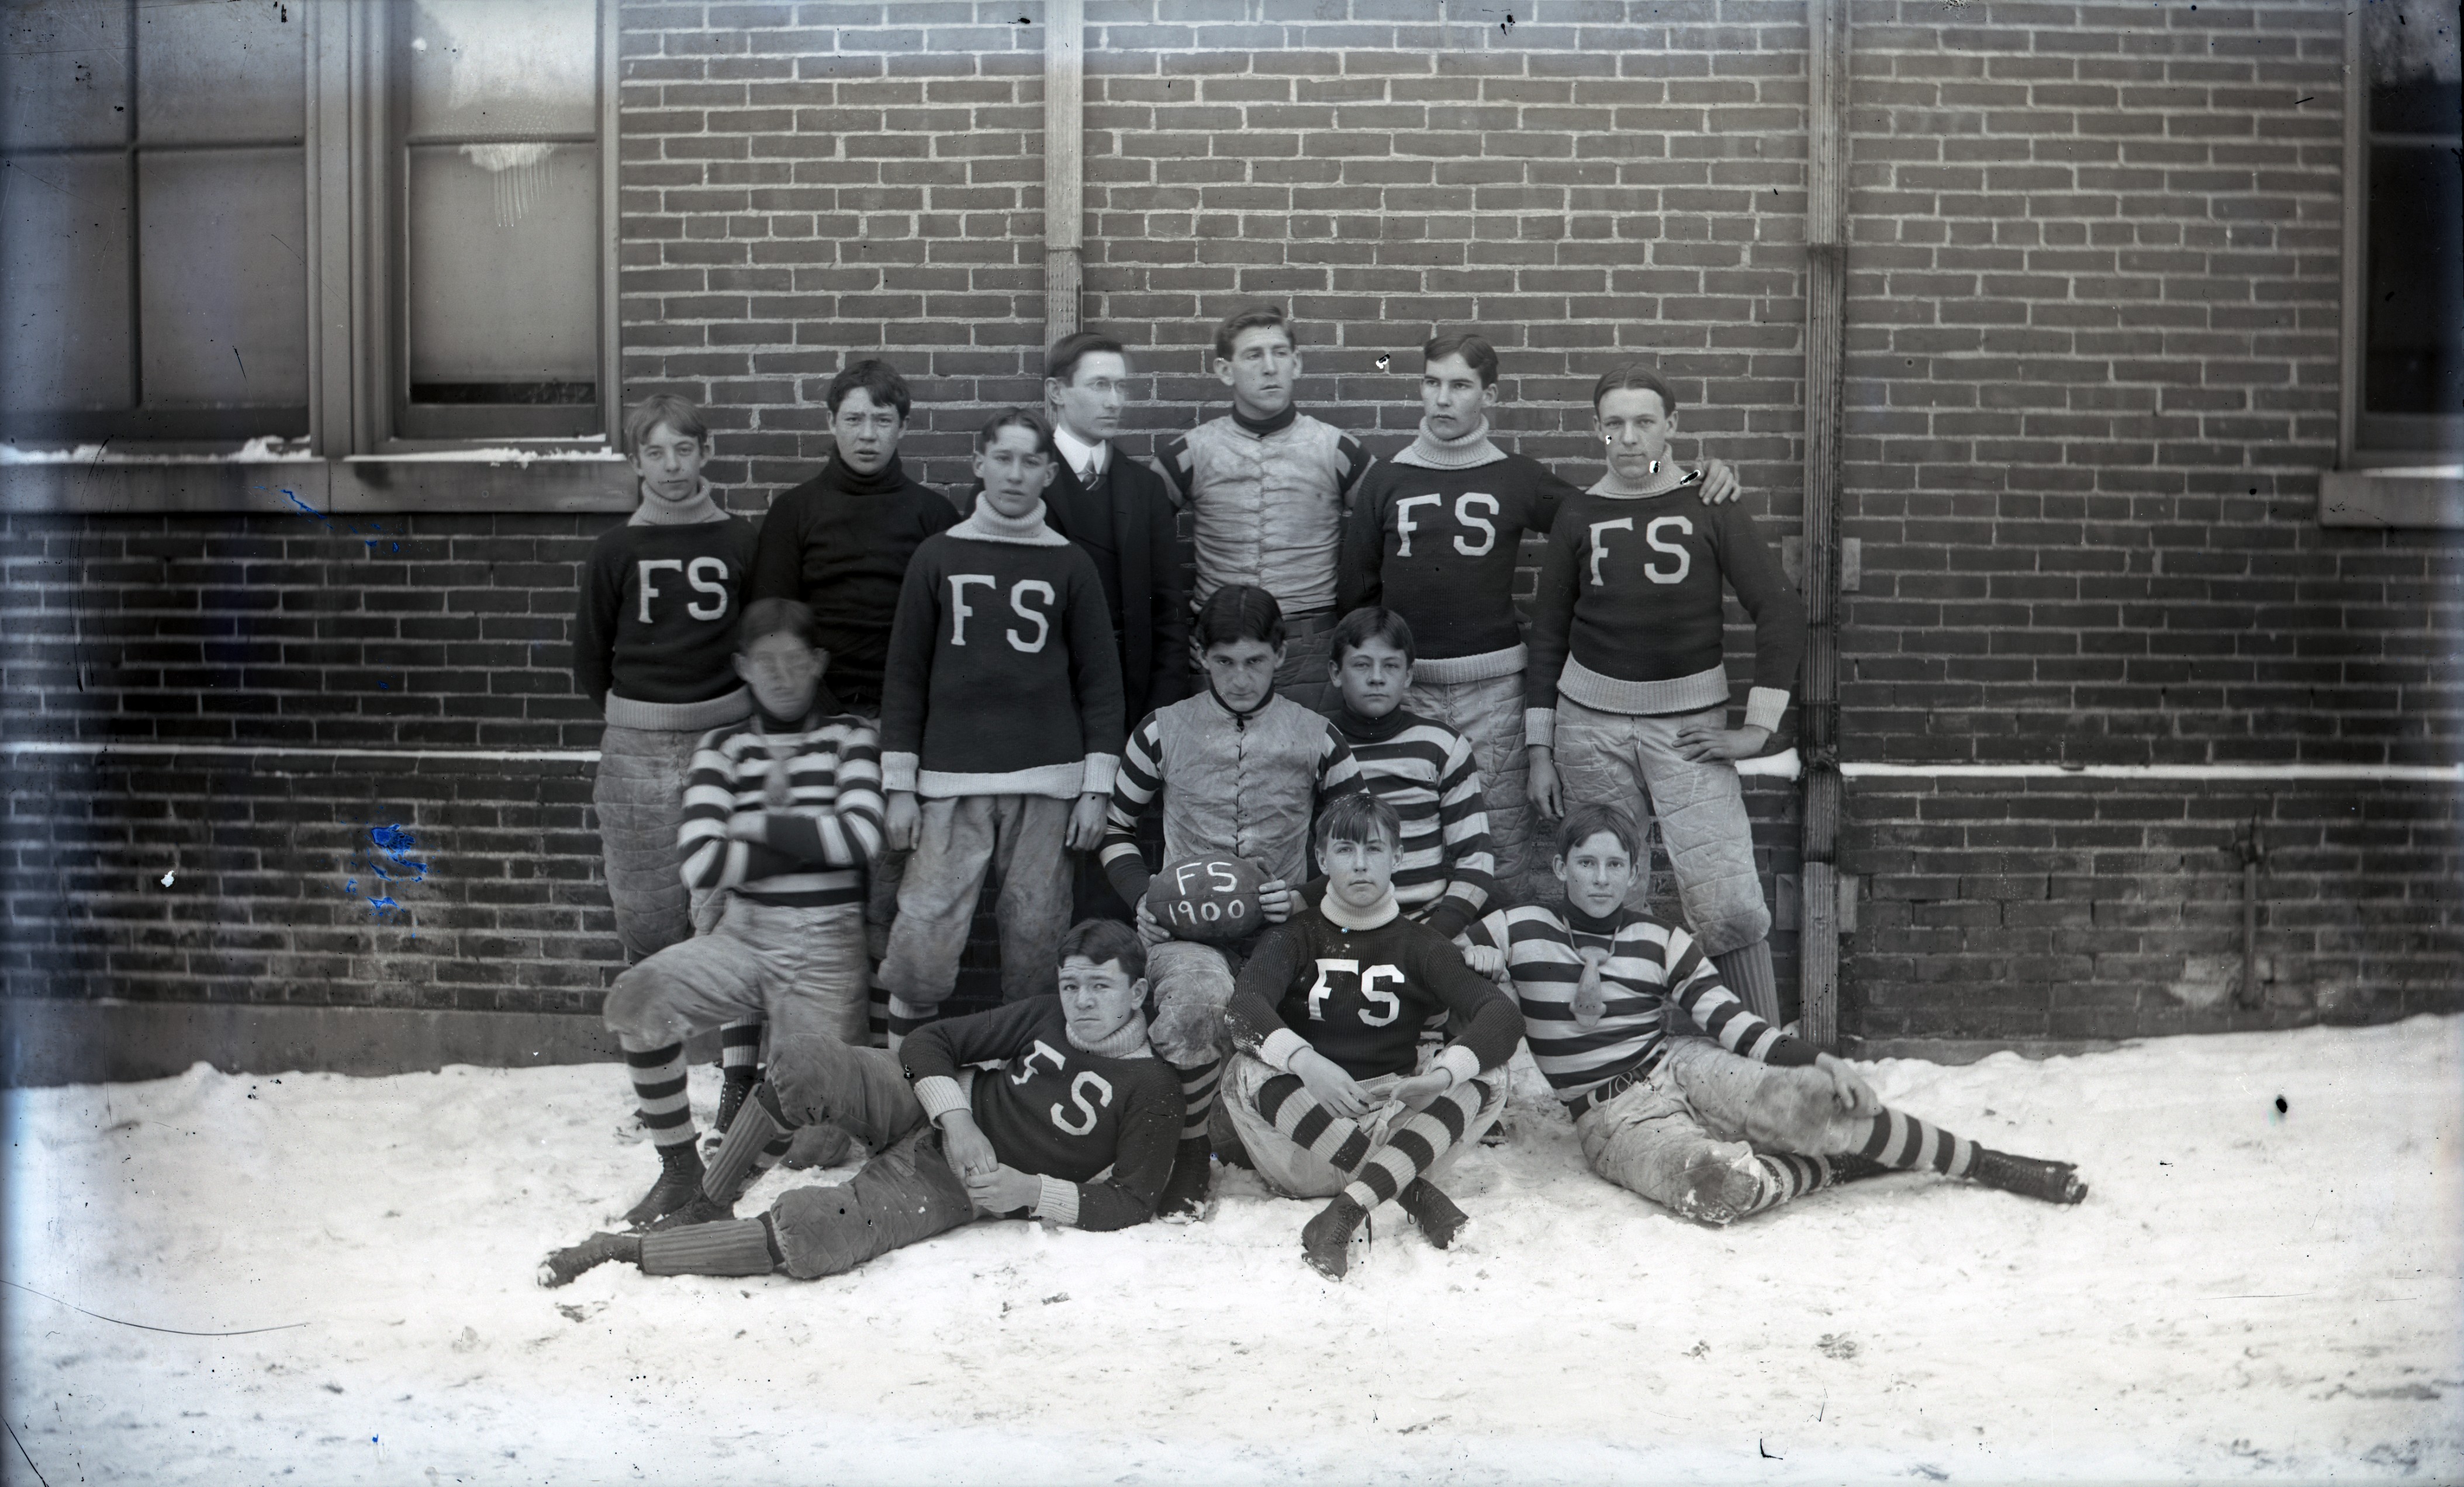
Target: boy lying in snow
{"type": "Point", "coordinates": [1075, 1126]}
{"type": "Point", "coordinates": [1713, 1129]}
{"type": "Point", "coordinates": [1327, 1019]}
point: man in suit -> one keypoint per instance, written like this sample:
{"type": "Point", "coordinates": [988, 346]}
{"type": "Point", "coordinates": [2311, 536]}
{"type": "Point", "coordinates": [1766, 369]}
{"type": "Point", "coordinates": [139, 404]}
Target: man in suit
{"type": "Point", "coordinates": [1119, 512]}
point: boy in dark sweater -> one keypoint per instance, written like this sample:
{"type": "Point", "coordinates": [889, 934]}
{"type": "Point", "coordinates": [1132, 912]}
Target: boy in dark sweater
{"type": "Point", "coordinates": [1326, 1022]}
{"type": "Point", "coordinates": [1716, 1128]}
{"type": "Point", "coordinates": [781, 813]}
{"type": "Point", "coordinates": [1074, 1126]}
{"type": "Point", "coordinates": [1240, 772]}
{"type": "Point", "coordinates": [840, 542]}
{"type": "Point", "coordinates": [1436, 535]}
{"type": "Point", "coordinates": [653, 634]}
{"type": "Point", "coordinates": [1628, 688]}
{"type": "Point", "coordinates": [1001, 729]}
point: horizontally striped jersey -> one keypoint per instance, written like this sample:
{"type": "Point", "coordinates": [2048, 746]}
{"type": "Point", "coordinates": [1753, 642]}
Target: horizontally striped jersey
{"type": "Point", "coordinates": [1644, 966]}
{"type": "Point", "coordinates": [1445, 873]}
{"type": "Point", "coordinates": [816, 792]}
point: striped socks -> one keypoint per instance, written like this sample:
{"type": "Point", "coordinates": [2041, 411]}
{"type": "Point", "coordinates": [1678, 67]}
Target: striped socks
{"type": "Point", "coordinates": [905, 1018]}
{"type": "Point", "coordinates": [739, 1067]}
{"type": "Point", "coordinates": [1415, 1143]}
{"type": "Point", "coordinates": [1292, 1109]}
{"type": "Point", "coordinates": [659, 1093]}
{"type": "Point", "coordinates": [1746, 971]}
{"type": "Point", "coordinates": [1910, 1145]}
{"type": "Point", "coordinates": [1198, 1083]}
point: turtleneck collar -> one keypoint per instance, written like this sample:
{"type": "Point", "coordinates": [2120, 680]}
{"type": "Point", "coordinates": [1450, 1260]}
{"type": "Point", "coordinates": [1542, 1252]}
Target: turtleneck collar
{"type": "Point", "coordinates": [703, 507]}
{"type": "Point", "coordinates": [888, 478]}
{"type": "Point", "coordinates": [1428, 452]}
{"type": "Point", "coordinates": [1343, 917]}
{"type": "Point", "coordinates": [1608, 923]}
{"type": "Point", "coordinates": [1263, 426]}
{"type": "Point", "coordinates": [987, 525]}
{"type": "Point", "coordinates": [1129, 1040]}
{"type": "Point", "coordinates": [1678, 478]}
{"type": "Point", "coordinates": [1374, 730]}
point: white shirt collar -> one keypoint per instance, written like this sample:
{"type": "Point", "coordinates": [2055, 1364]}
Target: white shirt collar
{"type": "Point", "coordinates": [1078, 451]}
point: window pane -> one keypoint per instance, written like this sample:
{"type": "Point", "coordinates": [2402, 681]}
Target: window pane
{"type": "Point", "coordinates": [504, 273]}
{"type": "Point", "coordinates": [2416, 79]}
{"type": "Point", "coordinates": [2416, 292]}
{"type": "Point", "coordinates": [214, 70]}
{"type": "Point", "coordinates": [224, 278]}
{"type": "Point", "coordinates": [63, 74]}
{"type": "Point", "coordinates": [483, 68]}
{"type": "Point", "coordinates": [64, 283]}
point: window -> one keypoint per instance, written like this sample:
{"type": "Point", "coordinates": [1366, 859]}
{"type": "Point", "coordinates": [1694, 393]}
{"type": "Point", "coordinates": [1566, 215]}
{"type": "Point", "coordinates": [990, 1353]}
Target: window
{"type": "Point", "coordinates": [2405, 321]}
{"type": "Point", "coordinates": [153, 230]}
{"type": "Point", "coordinates": [385, 224]}
{"type": "Point", "coordinates": [496, 167]}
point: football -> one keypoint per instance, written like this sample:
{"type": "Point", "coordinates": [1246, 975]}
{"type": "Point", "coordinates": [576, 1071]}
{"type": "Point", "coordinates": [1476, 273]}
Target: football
{"type": "Point", "coordinates": [1213, 900]}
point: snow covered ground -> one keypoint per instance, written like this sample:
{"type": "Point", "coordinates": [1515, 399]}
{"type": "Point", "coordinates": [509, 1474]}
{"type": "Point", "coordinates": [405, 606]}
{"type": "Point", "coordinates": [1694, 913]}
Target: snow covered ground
{"type": "Point", "coordinates": [2248, 1292]}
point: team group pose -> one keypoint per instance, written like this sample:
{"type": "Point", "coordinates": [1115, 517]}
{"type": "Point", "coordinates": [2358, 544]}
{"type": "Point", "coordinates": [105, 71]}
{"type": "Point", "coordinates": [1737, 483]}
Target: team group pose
{"type": "Point", "coordinates": [1290, 859]}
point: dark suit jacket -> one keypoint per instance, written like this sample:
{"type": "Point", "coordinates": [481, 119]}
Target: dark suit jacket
{"type": "Point", "coordinates": [1155, 594]}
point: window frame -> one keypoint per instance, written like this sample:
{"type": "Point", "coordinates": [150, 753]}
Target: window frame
{"type": "Point", "coordinates": [357, 458]}
{"type": "Point", "coordinates": [2354, 451]}
{"type": "Point", "coordinates": [2377, 489]}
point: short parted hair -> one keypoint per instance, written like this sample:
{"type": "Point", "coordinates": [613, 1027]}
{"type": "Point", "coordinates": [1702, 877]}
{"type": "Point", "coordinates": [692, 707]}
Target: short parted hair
{"type": "Point", "coordinates": [663, 407]}
{"type": "Point", "coordinates": [779, 616]}
{"type": "Point", "coordinates": [1640, 375]}
{"type": "Point", "coordinates": [1257, 317]}
{"type": "Point", "coordinates": [1370, 622]}
{"type": "Point", "coordinates": [880, 382]}
{"type": "Point", "coordinates": [1025, 418]}
{"type": "Point", "coordinates": [1062, 361]}
{"type": "Point", "coordinates": [1352, 817]}
{"type": "Point", "coordinates": [1472, 347]}
{"type": "Point", "coordinates": [1586, 821]}
{"type": "Point", "coordinates": [1101, 940]}
{"type": "Point", "coordinates": [1239, 612]}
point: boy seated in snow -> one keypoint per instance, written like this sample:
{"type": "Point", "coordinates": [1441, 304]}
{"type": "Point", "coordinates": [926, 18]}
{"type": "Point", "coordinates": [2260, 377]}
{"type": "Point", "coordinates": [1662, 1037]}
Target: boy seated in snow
{"type": "Point", "coordinates": [1075, 1125]}
{"type": "Point", "coordinates": [782, 812]}
{"type": "Point", "coordinates": [1000, 708]}
{"type": "Point", "coordinates": [1241, 769]}
{"type": "Point", "coordinates": [1327, 1019]}
{"type": "Point", "coordinates": [1714, 1128]}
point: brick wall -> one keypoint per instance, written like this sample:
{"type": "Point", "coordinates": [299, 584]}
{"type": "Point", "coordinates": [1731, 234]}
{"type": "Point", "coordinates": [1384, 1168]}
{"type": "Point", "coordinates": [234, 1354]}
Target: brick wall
{"type": "Point", "coordinates": [2092, 323]}
{"type": "Point", "coordinates": [2072, 907]}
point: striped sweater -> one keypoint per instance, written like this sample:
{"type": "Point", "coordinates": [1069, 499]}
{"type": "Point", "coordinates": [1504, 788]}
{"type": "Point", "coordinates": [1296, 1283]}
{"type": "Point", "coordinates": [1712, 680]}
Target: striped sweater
{"type": "Point", "coordinates": [1444, 874]}
{"type": "Point", "coordinates": [1647, 965]}
{"type": "Point", "coordinates": [810, 801]}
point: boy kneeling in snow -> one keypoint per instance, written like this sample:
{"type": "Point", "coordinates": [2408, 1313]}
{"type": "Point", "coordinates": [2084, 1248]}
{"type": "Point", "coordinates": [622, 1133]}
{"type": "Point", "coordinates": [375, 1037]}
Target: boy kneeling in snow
{"type": "Point", "coordinates": [1075, 1126]}
{"type": "Point", "coordinates": [1327, 1017]}
{"type": "Point", "coordinates": [1711, 1128]}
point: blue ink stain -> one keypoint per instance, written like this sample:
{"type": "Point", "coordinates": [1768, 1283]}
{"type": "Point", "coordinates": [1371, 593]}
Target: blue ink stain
{"type": "Point", "coordinates": [304, 506]}
{"type": "Point", "coordinates": [384, 686]}
{"type": "Point", "coordinates": [393, 848]}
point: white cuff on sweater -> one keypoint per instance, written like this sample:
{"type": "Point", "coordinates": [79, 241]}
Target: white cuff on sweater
{"type": "Point", "coordinates": [898, 771]}
{"type": "Point", "coordinates": [1763, 707]}
{"type": "Point", "coordinates": [1539, 727]}
{"type": "Point", "coordinates": [1058, 1200]}
{"type": "Point", "coordinates": [1461, 1062]}
{"type": "Point", "coordinates": [1101, 770]}
{"type": "Point", "coordinates": [1277, 1051]}
{"type": "Point", "coordinates": [939, 1094]}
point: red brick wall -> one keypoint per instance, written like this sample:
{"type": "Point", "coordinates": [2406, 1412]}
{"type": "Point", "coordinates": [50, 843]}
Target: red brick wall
{"type": "Point", "coordinates": [2092, 325]}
